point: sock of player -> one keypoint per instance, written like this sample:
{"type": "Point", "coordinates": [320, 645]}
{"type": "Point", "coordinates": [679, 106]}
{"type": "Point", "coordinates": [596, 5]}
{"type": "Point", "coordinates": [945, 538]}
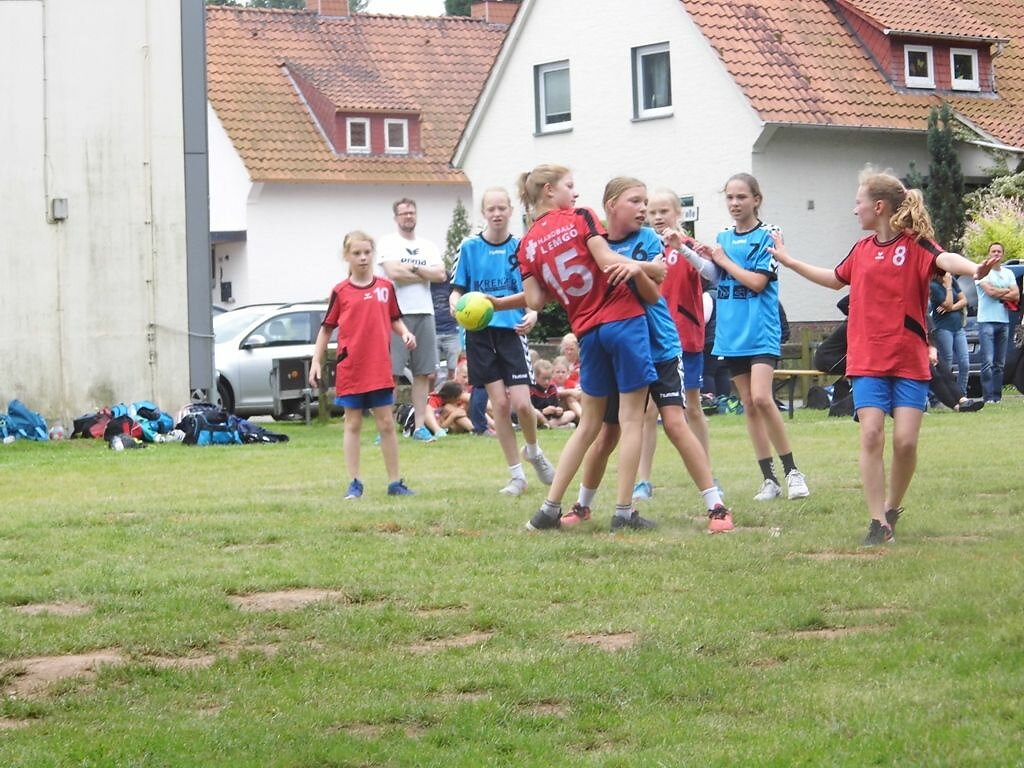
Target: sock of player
{"type": "Point", "coordinates": [712, 498]}
{"type": "Point", "coordinates": [517, 473]}
{"type": "Point", "coordinates": [532, 450]}
{"type": "Point", "coordinates": [788, 465]}
{"type": "Point", "coordinates": [768, 469]}
{"type": "Point", "coordinates": [586, 497]}
{"type": "Point", "coordinates": [552, 509]}
{"type": "Point", "coordinates": [624, 511]}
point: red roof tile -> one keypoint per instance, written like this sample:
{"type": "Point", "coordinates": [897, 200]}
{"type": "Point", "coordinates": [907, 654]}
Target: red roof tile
{"type": "Point", "coordinates": [942, 18]}
{"type": "Point", "coordinates": [797, 62]}
{"type": "Point", "coordinates": [435, 66]}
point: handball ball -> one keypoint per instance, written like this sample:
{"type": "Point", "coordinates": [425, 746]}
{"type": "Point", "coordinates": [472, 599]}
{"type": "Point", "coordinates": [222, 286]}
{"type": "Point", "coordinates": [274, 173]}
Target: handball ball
{"type": "Point", "coordinates": [474, 311]}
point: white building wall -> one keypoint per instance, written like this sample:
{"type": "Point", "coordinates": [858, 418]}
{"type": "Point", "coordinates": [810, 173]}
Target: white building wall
{"type": "Point", "coordinates": [809, 180]}
{"type": "Point", "coordinates": [707, 138]}
{"type": "Point", "coordinates": [229, 179]}
{"type": "Point", "coordinates": [294, 234]}
{"type": "Point", "coordinates": [94, 309]}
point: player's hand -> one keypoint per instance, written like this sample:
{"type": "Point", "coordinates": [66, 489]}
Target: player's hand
{"type": "Point", "coordinates": [778, 250]}
{"type": "Point", "coordinates": [657, 269]}
{"type": "Point", "coordinates": [671, 238]}
{"type": "Point", "coordinates": [933, 355]}
{"type": "Point", "coordinates": [985, 267]}
{"type": "Point", "coordinates": [314, 374]}
{"type": "Point", "coordinates": [622, 271]}
{"type": "Point", "coordinates": [409, 340]}
{"type": "Point", "coordinates": [524, 326]}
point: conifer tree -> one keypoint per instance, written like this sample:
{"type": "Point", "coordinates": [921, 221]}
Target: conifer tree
{"type": "Point", "coordinates": [458, 231]}
{"type": "Point", "coordinates": [945, 193]}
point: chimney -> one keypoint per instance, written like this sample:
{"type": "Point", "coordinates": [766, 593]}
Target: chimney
{"type": "Point", "coordinates": [328, 7]}
{"type": "Point", "coordinates": [495, 11]}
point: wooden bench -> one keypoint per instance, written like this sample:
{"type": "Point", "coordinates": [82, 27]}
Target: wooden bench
{"type": "Point", "coordinates": [788, 378]}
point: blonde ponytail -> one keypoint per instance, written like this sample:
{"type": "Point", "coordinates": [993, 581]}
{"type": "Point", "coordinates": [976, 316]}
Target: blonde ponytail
{"type": "Point", "coordinates": [913, 215]}
{"type": "Point", "coordinates": [530, 186]}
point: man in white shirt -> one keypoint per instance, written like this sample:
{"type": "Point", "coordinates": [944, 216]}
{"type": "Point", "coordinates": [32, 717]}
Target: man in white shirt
{"type": "Point", "coordinates": [412, 264]}
{"type": "Point", "coordinates": [997, 287]}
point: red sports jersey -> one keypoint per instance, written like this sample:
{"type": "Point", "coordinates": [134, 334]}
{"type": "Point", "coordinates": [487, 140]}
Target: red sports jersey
{"type": "Point", "coordinates": [554, 252]}
{"type": "Point", "coordinates": [888, 302]}
{"type": "Point", "coordinates": [685, 298]}
{"type": "Point", "coordinates": [363, 315]}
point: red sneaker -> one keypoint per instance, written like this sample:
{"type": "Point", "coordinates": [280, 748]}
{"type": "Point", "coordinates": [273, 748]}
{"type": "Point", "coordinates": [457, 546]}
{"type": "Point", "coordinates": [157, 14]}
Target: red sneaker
{"type": "Point", "coordinates": [719, 520]}
{"type": "Point", "coordinates": [577, 514]}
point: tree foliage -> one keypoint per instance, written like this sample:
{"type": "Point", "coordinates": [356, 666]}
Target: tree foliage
{"type": "Point", "coordinates": [458, 231]}
{"type": "Point", "coordinates": [457, 7]}
{"type": "Point", "coordinates": [944, 194]}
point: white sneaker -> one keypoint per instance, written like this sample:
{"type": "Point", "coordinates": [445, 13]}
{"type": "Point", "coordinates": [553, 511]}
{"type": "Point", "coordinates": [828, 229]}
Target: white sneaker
{"type": "Point", "coordinates": [797, 485]}
{"type": "Point", "coordinates": [769, 490]}
{"type": "Point", "coordinates": [516, 486]}
{"type": "Point", "coordinates": [545, 469]}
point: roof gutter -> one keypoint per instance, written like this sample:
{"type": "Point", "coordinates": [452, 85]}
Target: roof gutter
{"type": "Point", "coordinates": [939, 36]}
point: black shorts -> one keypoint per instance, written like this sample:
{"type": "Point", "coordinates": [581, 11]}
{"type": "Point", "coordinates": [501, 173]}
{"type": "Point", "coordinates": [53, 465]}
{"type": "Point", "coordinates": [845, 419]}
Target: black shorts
{"type": "Point", "coordinates": [740, 366]}
{"type": "Point", "coordinates": [498, 354]}
{"type": "Point", "coordinates": [668, 389]}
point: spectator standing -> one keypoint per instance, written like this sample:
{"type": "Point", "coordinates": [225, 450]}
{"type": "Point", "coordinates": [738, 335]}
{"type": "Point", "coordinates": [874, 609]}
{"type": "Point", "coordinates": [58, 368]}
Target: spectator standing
{"type": "Point", "coordinates": [412, 264]}
{"type": "Point", "coordinates": [449, 344]}
{"type": "Point", "coordinates": [995, 291]}
{"type": "Point", "coordinates": [947, 304]}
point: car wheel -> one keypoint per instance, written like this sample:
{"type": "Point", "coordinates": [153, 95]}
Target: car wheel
{"type": "Point", "coordinates": [227, 402]}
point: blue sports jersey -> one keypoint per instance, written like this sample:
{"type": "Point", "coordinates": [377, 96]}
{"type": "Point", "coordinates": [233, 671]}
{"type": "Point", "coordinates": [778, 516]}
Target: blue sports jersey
{"type": "Point", "coordinates": [645, 245]}
{"type": "Point", "coordinates": [748, 322]}
{"type": "Point", "coordinates": [492, 269]}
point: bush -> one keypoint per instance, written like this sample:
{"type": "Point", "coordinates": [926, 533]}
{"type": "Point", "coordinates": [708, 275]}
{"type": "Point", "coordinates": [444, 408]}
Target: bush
{"type": "Point", "coordinates": [999, 220]}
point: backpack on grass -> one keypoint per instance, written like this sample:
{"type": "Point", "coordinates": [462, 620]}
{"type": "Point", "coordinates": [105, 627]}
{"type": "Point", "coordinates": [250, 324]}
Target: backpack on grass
{"type": "Point", "coordinates": [210, 426]}
{"type": "Point", "coordinates": [405, 418]}
{"type": "Point", "coordinates": [24, 423]}
{"type": "Point", "coordinates": [91, 425]}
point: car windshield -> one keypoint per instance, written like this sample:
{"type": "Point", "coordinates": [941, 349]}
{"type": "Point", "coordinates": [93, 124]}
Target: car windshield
{"type": "Point", "coordinates": [229, 324]}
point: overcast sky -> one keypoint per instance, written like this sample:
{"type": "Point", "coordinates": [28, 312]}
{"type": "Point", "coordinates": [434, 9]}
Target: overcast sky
{"type": "Point", "coordinates": [407, 7]}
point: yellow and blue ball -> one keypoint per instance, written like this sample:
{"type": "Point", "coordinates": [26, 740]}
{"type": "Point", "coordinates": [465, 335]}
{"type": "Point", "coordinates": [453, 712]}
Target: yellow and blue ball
{"type": "Point", "coordinates": [473, 311]}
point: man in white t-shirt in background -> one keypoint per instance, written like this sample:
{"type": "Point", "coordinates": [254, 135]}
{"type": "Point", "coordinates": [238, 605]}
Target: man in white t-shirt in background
{"type": "Point", "coordinates": [996, 288]}
{"type": "Point", "coordinates": [412, 264]}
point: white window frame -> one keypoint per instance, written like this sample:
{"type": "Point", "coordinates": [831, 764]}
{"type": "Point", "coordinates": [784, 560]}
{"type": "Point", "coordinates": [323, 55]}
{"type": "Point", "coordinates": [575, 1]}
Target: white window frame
{"type": "Point", "coordinates": [349, 146]}
{"type": "Point", "coordinates": [543, 126]}
{"type": "Point", "coordinates": [396, 149]}
{"type": "Point", "coordinates": [919, 82]}
{"type": "Point", "coordinates": [639, 112]}
{"type": "Point", "coordinates": [961, 84]}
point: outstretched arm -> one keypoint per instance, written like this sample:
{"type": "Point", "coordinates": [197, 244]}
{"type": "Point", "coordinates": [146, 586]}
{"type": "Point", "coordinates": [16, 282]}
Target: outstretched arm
{"type": "Point", "coordinates": [819, 275]}
{"type": "Point", "coordinates": [958, 265]}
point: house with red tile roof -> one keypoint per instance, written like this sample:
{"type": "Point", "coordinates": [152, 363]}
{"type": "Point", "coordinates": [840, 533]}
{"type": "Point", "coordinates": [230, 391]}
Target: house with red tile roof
{"type": "Point", "coordinates": [802, 93]}
{"type": "Point", "coordinates": [318, 121]}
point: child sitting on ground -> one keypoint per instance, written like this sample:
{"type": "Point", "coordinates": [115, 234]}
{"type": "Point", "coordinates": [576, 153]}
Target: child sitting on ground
{"type": "Point", "coordinates": [544, 395]}
{"type": "Point", "coordinates": [454, 404]}
{"type": "Point", "coordinates": [569, 393]}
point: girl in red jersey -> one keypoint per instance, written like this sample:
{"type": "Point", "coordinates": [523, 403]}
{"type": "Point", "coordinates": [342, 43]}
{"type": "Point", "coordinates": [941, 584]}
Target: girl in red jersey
{"type": "Point", "coordinates": [684, 294]}
{"type": "Point", "coordinates": [364, 310]}
{"type": "Point", "coordinates": [887, 355]}
{"type": "Point", "coordinates": [565, 256]}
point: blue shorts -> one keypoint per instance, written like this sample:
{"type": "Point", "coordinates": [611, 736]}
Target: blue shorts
{"type": "Point", "coordinates": [693, 370]}
{"type": "Point", "coordinates": [888, 392]}
{"type": "Point", "coordinates": [616, 357]}
{"type": "Point", "coordinates": [365, 400]}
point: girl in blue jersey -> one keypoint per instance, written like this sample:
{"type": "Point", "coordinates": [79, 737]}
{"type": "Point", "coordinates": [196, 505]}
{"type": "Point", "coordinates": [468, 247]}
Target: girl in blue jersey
{"type": "Point", "coordinates": [625, 203]}
{"type": "Point", "coordinates": [749, 330]}
{"type": "Point", "coordinates": [498, 357]}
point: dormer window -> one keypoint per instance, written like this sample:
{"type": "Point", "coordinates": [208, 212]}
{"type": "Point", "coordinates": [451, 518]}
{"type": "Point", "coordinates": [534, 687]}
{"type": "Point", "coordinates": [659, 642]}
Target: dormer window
{"type": "Point", "coordinates": [357, 132]}
{"type": "Point", "coordinates": [963, 64]}
{"type": "Point", "coordinates": [919, 66]}
{"type": "Point", "coordinates": [396, 137]}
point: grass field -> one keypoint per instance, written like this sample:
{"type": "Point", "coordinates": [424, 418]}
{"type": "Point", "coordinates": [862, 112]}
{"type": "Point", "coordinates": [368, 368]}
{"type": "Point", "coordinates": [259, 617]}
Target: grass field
{"type": "Point", "coordinates": [435, 631]}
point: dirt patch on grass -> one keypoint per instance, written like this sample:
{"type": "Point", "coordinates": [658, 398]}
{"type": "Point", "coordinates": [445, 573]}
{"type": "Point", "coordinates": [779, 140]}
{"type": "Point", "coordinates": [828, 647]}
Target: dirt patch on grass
{"type": "Point", "coordinates": [835, 633]}
{"type": "Point", "coordinates": [958, 538]}
{"type": "Point", "coordinates": [444, 643]}
{"type": "Point", "coordinates": [360, 730]}
{"type": "Point", "coordinates": [458, 697]}
{"type": "Point", "coordinates": [32, 675]}
{"type": "Point", "coordinates": [7, 724]}
{"type": "Point", "coordinates": [878, 610]}
{"type": "Point", "coordinates": [829, 555]}
{"type": "Point", "coordinates": [768, 662]}
{"type": "Point", "coordinates": [439, 610]}
{"type": "Point", "coordinates": [614, 641]}
{"type": "Point", "coordinates": [55, 609]}
{"type": "Point", "coordinates": [201, 661]}
{"type": "Point", "coordinates": [547, 708]}
{"type": "Point", "coordinates": [285, 600]}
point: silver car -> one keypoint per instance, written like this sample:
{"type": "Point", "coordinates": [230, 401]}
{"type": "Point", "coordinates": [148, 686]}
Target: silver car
{"type": "Point", "coordinates": [247, 340]}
